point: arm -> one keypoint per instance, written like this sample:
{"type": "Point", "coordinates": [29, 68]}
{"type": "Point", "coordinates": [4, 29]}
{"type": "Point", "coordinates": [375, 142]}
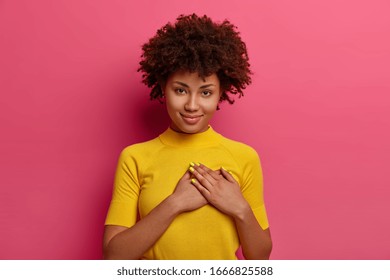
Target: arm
{"type": "Point", "coordinates": [131, 243]}
{"type": "Point", "coordinates": [255, 242]}
{"type": "Point", "coordinates": [222, 191]}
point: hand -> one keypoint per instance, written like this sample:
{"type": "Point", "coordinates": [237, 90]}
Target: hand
{"type": "Point", "coordinates": [220, 189]}
{"type": "Point", "coordinates": [187, 197]}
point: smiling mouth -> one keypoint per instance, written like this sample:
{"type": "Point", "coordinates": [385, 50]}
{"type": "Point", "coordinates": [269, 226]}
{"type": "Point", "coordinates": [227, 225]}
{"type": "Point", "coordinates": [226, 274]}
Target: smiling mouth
{"type": "Point", "coordinates": [191, 119]}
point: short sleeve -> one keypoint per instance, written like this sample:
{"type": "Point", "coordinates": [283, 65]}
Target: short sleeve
{"type": "Point", "coordinates": [252, 188]}
{"type": "Point", "coordinates": [124, 203]}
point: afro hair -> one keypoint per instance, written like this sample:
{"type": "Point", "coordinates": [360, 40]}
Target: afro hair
{"type": "Point", "coordinates": [196, 44]}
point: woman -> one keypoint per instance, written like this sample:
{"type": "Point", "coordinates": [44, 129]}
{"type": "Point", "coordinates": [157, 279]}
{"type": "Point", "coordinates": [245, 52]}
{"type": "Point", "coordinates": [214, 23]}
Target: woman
{"type": "Point", "coordinates": [190, 193]}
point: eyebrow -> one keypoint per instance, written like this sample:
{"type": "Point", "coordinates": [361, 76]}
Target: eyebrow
{"type": "Point", "coordinates": [187, 86]}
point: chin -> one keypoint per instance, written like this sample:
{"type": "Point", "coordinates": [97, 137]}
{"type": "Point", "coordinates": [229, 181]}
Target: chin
{"type": "Point", "coordinates": [191, 129]}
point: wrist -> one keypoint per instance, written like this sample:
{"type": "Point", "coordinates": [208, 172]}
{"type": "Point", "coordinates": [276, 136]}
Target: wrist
{"type": "Point", "coordinates": [173, 203]}
{"type": "Point", "coordinates": [242, 211]}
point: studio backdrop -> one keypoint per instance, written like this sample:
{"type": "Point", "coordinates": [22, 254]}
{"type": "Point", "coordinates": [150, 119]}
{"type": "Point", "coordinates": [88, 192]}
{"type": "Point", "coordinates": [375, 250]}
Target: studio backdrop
{"type": "Point", "coordinates": [317, 112]}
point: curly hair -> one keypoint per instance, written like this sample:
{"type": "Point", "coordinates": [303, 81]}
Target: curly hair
{"type": "Point", "coordinates": [196, 44]}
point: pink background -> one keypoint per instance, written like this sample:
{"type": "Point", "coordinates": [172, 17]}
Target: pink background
{"type": "Point", "coordinates": [318, 113]}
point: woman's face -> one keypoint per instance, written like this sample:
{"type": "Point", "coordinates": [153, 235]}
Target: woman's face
{"type": "Point", "coordinates": [191, 100]}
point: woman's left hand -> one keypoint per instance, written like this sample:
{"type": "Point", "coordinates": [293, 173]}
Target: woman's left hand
{"type": "Point", "coordinates": [220, 189]}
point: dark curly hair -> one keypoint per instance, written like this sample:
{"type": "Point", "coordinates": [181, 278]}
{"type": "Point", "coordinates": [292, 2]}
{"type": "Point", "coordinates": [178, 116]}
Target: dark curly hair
{"type": "Point", "coordinates": [196, 44]}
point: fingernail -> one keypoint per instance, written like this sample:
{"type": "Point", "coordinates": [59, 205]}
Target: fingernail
{"type": "Point", "coordinates": [192, 169]}
{"type": "Point", "coordinates": [231, 173]}
{"type": "Point", "coordinates": [198, 163]}
{"type": "Point", "coordinates": [224, 168]}
{"type": "Point", "coordinates": [192, 164]}
{"type": "Point", "coordinates": [193, 180]}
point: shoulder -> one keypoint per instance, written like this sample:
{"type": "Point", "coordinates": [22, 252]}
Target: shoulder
{"type": "Point", "coordinates": [239, 149]}
{"type": "Point", "coordinates": [140, 150]}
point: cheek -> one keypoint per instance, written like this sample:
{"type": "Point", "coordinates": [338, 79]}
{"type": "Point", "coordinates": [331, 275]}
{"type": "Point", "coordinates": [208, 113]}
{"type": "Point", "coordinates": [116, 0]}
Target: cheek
{"type": "Point", "coordinates": [172, 103]}
{"type": "Point", "coordinates": [171, 110]}
{"type": "Point", "coordinates": [211, 107]}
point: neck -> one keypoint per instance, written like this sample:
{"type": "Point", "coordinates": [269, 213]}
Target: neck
{"type": "Point", "coordinates": [201, 139]}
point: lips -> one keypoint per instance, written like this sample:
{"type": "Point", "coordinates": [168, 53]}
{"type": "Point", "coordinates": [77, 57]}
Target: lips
{"type": "Point", "coordinates": [191, 119]}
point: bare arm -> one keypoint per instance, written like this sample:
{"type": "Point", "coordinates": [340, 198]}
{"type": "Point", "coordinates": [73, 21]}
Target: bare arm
{"type": "Point", "coordinates": [131, 243]}
{"type": "Point", "coordinates": [223, 192]}
{"type": "Point", "coordinates": [255, 242]}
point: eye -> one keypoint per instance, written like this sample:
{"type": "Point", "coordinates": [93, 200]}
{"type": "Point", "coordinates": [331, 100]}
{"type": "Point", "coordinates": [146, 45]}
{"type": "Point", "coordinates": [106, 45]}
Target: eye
{"type": "Point", "coordinates": [206, 93]}
{"type": "Point", "coordinates": [180, 91]}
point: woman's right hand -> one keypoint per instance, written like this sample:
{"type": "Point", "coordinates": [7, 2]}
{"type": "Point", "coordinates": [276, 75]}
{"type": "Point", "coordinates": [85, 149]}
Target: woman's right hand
{"type": "Point", "coordinates": [186, 195]}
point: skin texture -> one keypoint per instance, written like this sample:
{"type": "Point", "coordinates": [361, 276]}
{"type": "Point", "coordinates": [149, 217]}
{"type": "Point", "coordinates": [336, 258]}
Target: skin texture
{"type": "Point", "coordinates": [191, 102]}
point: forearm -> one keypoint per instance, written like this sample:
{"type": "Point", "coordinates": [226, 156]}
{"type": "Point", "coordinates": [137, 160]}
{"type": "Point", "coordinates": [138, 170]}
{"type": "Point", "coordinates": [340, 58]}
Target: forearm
{"type": "Point", "coordinates": [132, 243]}
{"type": "Point", "coordinates": [255, 242]}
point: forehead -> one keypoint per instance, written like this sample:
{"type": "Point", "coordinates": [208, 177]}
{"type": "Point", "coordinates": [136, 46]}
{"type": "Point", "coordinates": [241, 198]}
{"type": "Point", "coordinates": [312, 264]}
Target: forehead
{"type": "Point", "coordinates": [193, 78]}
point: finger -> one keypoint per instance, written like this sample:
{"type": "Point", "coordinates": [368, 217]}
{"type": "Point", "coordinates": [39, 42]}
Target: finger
{"type": "Point", "coordinates": [202, 176]}
{"type": "Point", "coordinates": [201, 188]}
{"type": "Point", "coordinates": [216, 174]}
{"type": "Point", "coordinates": [198, 169]}
{"type": "Point", "coordinates": [228, 176]}
{"type": "Point", "coordinates": [186, 175]}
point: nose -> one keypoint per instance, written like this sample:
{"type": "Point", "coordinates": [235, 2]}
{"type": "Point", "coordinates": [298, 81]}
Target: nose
{"type": "Point", "coordinates": [191, 104]}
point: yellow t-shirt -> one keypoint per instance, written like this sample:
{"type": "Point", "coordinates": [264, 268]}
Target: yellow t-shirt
{"type": "Point", "coordinates": [148, 172]}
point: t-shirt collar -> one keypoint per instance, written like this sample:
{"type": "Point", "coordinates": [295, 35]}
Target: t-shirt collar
{"type": "Point", "coordinates": [177, 139]}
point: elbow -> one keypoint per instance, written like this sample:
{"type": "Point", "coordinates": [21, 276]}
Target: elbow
{"type": "Point", "coordinates": [110, 254]}
{"type": "Point", "coordinates": [266, 251]}
{"type": "Point", "coordinates": [262, 253]}
{"type": "Point", "coordinates": [107, 254]}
